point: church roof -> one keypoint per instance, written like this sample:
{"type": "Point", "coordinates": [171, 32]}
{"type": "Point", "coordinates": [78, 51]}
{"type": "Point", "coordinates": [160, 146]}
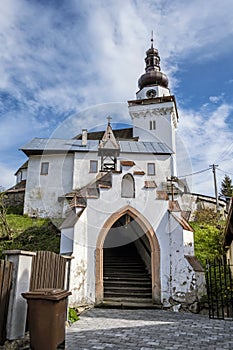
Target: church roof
{"type": "Point", "coordinates": [41, 145]}
{"type": "Point", "coordinates": [125, 133]}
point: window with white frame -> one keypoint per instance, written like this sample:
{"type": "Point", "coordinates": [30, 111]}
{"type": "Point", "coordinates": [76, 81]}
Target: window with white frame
{"type": "Point", "coordinates": [93, 166]}
{"type": "Point", "coordinates": [150, 168]}
{"type": "Point", "coordinates": [44, 170]}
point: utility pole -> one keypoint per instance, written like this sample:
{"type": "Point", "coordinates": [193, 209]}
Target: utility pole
{"type": "Point", "coordinates": [214, 166]}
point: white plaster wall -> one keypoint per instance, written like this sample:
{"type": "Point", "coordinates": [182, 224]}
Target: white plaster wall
{"type": "Point", "coordinates": [183, 278]}
{"type": "Point", "coordinates": [80, 263]}
{"type": "Point", "coordinates": [42, 191]}
{"type": "Point", "coordinates": [162, 114]}
{"type": "Point", "coordinates": [82, 166]}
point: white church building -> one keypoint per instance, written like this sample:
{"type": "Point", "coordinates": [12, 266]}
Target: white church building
{"type": "Point", "coordinates": [119, 197]}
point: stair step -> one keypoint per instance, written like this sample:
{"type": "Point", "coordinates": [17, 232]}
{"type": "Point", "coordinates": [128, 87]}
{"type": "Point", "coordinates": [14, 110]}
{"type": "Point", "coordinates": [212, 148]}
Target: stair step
{"type": "Point", "coordinates": [139, 278]}
{"type": "Point", "coordinates": [125, 293]}
{"type": "Point", "coordinates": [127, 299]}
{"type": "Point", "coordinates": [127, 283]}
{"type": "Point", "coordinates": [126, 280]}
{"type": "Point", "coordinates": [125, 271]}
{"type": "Point", "coordinates": [128, 288]}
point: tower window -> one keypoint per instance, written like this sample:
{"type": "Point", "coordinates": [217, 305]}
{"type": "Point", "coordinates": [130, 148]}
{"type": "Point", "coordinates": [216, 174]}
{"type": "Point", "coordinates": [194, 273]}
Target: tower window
{"type": "Point", "coordinates": [44, 168]}
{"type": "Point", "coordinates": [93, 166]}
{"type": "Point", "coordinates": [152, 125]}
{"type": "Point", "coordinates": [150, 168]}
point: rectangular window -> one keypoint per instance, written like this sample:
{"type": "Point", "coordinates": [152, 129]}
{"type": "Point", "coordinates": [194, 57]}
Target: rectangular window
{"type": "Point", "coordinates": [152, 125]}
{"type": "Point", "coordinates": [44, 168]}
{"type": "Point", "coordinates": [150, 168]}
{"type": "Point", "coordinates": [93, 166]}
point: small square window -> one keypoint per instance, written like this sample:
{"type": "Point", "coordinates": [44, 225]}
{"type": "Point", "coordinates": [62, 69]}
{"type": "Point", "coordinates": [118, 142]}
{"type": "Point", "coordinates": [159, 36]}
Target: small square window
{"type": "Point", "coordinates": [93, 166]}
{"type": "Point", "coordinates": [44, 168]}
{"type": "Point", "coordinates": [151, 169]}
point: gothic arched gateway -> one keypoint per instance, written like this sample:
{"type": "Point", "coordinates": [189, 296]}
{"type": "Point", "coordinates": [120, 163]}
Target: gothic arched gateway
{"type": "Point", "coordinates": [139, 221]}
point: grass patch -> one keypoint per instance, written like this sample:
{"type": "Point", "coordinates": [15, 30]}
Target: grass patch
{"type": "Point", "coordinates": [31, 234]}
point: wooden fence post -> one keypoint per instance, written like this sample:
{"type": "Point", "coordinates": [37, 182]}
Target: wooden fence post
{"type": "Point", "coordinates": [5, 286]}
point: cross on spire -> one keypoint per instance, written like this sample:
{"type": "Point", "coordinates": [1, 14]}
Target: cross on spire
{"type": "Point", "coordinates": [152, 39]}
{"type": "Point", "coordinates": [109, 119]}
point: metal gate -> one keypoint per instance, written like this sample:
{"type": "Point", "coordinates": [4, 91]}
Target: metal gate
{"type": "Point", "coordinates": [219, 280]}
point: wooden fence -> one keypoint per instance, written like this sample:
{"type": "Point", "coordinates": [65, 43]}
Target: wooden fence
{"type": "Point", "coordinates": [5, 286]}
{"type": "Point", "coordinates": [48, 271]}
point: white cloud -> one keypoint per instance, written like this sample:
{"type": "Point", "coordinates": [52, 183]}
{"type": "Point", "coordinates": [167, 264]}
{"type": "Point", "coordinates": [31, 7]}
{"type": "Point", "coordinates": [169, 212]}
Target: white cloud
{"type": "Point", "coordinates": [207, 136]}
{"type": "Point", "coordinates": [14, 128]}
{"type": "Point", "coordinates": [7, 176]}
{"type": "Point", "coordinates": [216, 99]}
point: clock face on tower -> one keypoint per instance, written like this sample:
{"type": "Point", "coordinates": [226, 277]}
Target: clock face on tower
{"type": "Point", "coordinates": [151, 93]}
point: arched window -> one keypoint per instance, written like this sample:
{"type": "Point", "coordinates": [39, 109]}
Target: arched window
{"type": "Point", "coordinates": [127, 186]}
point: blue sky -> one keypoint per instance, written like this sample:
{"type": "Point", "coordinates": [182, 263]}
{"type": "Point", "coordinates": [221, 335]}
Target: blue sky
{"type": "Point", "coordinates": [62, 57]}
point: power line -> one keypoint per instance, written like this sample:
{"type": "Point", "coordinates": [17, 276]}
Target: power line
{"type": "Point", "coordinates": [197, 172]}
{"type": "Point", "coordinates": [225, 172]}
{"type": "Point", "coordinates": [227, 151]}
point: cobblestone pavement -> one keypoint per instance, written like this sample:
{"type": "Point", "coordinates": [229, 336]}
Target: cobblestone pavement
{"type": "Point", "coordinates": [148, 329]}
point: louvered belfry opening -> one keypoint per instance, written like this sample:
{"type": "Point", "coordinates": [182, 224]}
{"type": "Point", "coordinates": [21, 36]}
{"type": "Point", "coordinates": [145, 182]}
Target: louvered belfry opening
{"type": "Point", "coordinates": [127, 278]}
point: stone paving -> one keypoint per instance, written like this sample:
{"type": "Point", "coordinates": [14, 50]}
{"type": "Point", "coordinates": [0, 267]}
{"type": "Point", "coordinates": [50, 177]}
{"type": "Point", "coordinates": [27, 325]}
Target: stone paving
{"type": "Point", "coordinates": [114, 329]}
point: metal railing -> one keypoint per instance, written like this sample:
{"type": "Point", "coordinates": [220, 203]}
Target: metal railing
{"type": "Point", "coordinates": [219, 280]}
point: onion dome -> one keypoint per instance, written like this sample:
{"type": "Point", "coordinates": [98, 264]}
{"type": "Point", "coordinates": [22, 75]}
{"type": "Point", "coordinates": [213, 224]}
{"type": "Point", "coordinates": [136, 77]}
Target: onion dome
{"type": "Point", "coordinates": [153, 75]}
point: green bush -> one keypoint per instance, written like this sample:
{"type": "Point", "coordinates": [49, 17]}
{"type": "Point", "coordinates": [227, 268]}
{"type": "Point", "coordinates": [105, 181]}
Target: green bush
{"type": "Point", "coordinates": [208, 235]}
{"type": "Point", "coordinates": [72, 315]}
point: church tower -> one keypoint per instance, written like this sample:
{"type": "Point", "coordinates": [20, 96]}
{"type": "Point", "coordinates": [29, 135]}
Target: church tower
{"type": "Point", "coordinates": [154, 112]}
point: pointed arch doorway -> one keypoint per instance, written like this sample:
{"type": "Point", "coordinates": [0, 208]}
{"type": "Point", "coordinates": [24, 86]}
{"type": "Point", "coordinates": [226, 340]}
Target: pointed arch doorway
{"type": "Point", "coordinates": [128, 233]}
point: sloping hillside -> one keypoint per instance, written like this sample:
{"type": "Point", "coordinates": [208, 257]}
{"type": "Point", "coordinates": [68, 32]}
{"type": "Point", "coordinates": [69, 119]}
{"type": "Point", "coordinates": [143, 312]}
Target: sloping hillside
{"type": "Point", "coordinates": [30, 234]}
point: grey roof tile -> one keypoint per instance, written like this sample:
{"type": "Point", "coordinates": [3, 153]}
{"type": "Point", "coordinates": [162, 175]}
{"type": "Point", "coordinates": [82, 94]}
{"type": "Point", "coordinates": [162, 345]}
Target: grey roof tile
{"type": "Point", "coordinates": [38, 145]}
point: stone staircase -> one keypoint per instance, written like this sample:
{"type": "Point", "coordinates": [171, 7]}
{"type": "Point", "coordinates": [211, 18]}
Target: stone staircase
{"type": "Point", "coordinates": [126, 280]}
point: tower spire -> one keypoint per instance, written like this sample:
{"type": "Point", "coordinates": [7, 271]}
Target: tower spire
{"type": "Point", "coordinates": [153, 75]}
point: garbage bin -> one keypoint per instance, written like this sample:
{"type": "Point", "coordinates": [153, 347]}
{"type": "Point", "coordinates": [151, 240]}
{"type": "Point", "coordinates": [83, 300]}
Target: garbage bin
{"type": "Point", "coordinates": [47, 316]}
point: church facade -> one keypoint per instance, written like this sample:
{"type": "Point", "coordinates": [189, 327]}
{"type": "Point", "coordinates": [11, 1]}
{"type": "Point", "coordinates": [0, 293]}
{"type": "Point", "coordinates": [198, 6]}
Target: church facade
{"type": "Point", "coordinates": [119, 197]}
